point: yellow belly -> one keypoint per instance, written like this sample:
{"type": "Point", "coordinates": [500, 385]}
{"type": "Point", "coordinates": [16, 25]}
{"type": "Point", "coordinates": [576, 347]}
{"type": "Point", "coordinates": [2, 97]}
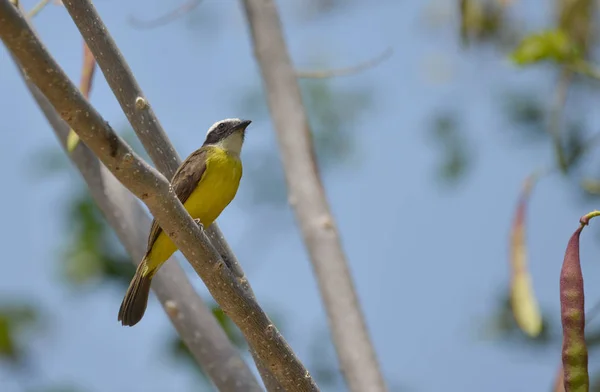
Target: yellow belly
{"type": "Point", "coordinates": [216, 190]}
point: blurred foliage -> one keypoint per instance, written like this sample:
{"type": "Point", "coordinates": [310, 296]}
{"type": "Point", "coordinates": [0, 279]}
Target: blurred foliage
{"type": "Point", "coordinates": [502, 325]}
{"type": "Point", "coordinates": [484, 22]}
{"type": "Point", "coordinates": [547, 45]}
{"type": "Point", "coordinates": [15, 319]}
{"type": "Point", "coordinates": [526, 115]}
{"type": "Point", "coordinates": [480, 21]}
{"type": "Point", "coordinates": [452, 145]}
{"type": "Point", "coordinates": [92, 255]}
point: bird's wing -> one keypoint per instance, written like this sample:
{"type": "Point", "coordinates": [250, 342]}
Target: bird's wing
{"type": "Point", "coordinates": [184, 181]}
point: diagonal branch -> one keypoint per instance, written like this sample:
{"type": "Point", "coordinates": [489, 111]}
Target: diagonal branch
{"type": "Point", "coordinates": [37, 8]}
{"type": "Point", "coordinates": [155, 191]}
{"type": "Point", "coordinates": [307, 197]}
{"type": "Point", "coordinates": [194, 322]}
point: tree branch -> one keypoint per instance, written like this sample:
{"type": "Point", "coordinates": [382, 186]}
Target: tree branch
{"type": "Point", "coordinates": [183, 9]}
{"type": "Point", "coordinates": [330, 73]}
{"type": "Point", "coordinates": [155, 191]}
{"type": "Point", "coordinates": [307, 197]}
{"type": "Point", "coordinates": [195, 324]}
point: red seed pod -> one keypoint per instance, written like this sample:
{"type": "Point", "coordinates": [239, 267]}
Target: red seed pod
{"type": "Point", "coordinates": [572, 311]}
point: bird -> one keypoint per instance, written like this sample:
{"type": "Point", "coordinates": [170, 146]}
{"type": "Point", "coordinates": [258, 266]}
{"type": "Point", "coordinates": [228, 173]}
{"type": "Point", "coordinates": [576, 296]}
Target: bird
{"type": "Point", "coordinates": [205, 183]}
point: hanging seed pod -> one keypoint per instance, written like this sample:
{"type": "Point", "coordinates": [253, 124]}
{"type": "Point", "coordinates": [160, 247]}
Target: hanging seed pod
{"type": "Point", "coordinates": [572, 312]}
{"type": "Point", "coordinates": [524, 305]}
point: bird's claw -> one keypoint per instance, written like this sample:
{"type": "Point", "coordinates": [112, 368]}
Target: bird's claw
{"type": "Point", "coordinates": [200, 225]}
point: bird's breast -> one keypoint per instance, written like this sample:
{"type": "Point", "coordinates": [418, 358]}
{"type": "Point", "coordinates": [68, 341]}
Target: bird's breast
{"type": "Point", "coordinates": [217, 188]}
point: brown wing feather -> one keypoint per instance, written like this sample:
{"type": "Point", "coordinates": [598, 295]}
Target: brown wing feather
{"type": "Point", "coordinates": [184, 181]}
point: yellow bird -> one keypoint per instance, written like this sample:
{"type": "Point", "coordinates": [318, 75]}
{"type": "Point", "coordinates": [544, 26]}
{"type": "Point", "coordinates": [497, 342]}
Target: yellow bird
{"type": "Point", "coordinates": [205, 183]}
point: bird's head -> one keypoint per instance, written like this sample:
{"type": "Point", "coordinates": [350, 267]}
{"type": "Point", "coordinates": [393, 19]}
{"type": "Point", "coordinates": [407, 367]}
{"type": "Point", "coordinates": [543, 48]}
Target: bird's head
{"type": "Point", "coordinates": [227, 134]}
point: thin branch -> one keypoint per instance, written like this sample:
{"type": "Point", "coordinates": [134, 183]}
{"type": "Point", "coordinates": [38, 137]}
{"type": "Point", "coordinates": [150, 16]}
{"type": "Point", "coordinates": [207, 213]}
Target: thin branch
{"type": "Point", "coordinates": [88, 69]}
{"type": "Point", "coordinates": [37, 8]}
{"type": "Point", "coordinates": [169, 17]}
{"type": "Point", "coordinates": [556, 116]}
{"type": "Point", "coordinates": [331, 73]}
{"type": "Point", "coordinates": [585, 68]}
{"type": "Point", "coordinates": [155, 191]}
{"type": "Point", "coordinates": [307, 197]}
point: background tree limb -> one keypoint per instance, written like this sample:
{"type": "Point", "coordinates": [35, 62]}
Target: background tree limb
{"type": "Point", "coordinates": [307, 197]}
{"type": "Point", "coordinates": [152, 188]}
{"type": "Point", "coordinates": [354, 69]}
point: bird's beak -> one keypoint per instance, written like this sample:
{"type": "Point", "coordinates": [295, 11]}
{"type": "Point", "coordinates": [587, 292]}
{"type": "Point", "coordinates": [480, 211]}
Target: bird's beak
{"type": "Point", "coordinates": [243, 125]}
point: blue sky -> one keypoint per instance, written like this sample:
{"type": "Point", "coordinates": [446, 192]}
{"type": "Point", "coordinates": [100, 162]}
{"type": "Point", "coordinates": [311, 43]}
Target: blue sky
{"type": "Point", "coordinates": [428, 261]}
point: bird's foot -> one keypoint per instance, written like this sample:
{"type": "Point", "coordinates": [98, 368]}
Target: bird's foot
{"type": "Point", "coordinates": [200, 225]}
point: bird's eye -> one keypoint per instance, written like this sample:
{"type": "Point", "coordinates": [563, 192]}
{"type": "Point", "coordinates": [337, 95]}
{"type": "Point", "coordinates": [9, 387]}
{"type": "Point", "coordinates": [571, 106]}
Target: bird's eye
{"type": "Point", "coordinates": [221, 126]}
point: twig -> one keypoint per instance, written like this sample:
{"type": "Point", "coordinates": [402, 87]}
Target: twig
{"type": "Point", "coordinates": [307, 197]}
{"type": "Point", "coordinates": [37, 8]}
{"type": "Point", "coordinates": [555, 126]}
{"type": "Point", "coordinates": [155, 191]}
{"type": "Point", "coordinates": [585, 68]}
{"type": "Point", "coordinates": [88, 69]}
{"type": "Point", "coordinates": [183, 9]}
{"type": "Point", "coordinates": [330, 73]}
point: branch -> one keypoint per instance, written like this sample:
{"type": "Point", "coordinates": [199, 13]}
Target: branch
{"type": "Point", "coordinates": [330, 73]}
{"type": "Point", "coordinates": [194, 322]}
{"type": "Point", "coordinates": [183, 9]}
{"type": "Point", "coordinates": [37, 8]}
{"type": "Point", "coordinates": [155, 191]}
{"type": "Point", "coordinates": [307, 196]}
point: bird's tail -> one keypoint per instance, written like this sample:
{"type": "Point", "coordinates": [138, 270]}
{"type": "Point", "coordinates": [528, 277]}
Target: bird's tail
{"type": "Point", "coordinates": [136, 298]}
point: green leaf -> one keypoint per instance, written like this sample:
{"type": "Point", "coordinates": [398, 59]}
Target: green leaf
{"type": "Point", "coordinates": [551, 45]}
